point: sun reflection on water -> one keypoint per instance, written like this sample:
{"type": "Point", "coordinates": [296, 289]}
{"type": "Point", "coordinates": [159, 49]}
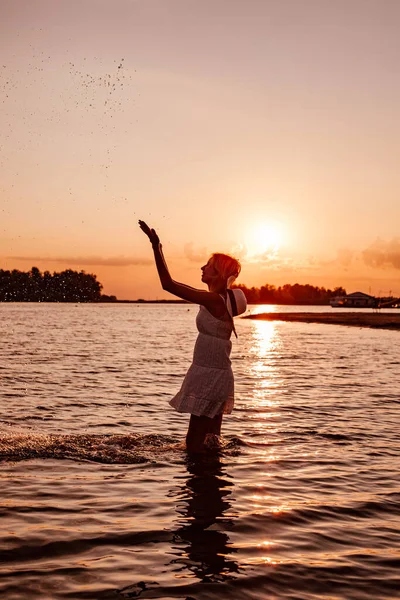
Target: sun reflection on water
{"type": "Point", "coordinates": [265, 417]}
{"type": "Point", "coordinates": [264, 349]}
{"type": "Point", "coordinates": [264, 337]}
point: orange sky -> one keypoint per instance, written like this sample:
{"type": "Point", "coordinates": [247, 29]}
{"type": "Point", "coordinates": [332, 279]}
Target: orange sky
{"type": "Point", "coordinates": [263, 128]}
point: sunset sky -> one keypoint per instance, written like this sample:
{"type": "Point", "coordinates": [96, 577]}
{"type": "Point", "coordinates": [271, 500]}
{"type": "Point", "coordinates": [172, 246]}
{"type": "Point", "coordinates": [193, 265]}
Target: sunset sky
{"type": "Point", "coordinates": [269, 129]}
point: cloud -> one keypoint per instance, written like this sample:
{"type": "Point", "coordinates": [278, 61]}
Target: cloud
{"type": "Point", "coordinates": [345, 256]}
{"type": "Point", "coordinates": [199, 255]}
{"type": "Point", "coordinates": [274, 262]}
{"type": "Point", "coordinates": [266, 258]}
{"type": "Point", "coordinates": [343, 259]}
{"type": "Point", "coordinates": [381, 254]}
{"type": "Point", "coordinates": [116, 261]}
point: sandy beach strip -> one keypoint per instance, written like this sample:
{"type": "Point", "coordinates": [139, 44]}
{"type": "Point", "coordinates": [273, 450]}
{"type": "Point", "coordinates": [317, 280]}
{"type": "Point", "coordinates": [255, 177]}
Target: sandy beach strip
{"type": "Point", "coordinates": [354, 319]}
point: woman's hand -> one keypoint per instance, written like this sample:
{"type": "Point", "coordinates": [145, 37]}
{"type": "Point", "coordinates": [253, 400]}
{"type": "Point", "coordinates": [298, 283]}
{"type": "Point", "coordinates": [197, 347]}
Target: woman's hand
{"type": "Point", "coordinates": [151, 234]}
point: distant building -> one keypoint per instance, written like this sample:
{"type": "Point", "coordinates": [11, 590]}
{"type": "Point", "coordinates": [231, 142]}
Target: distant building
{"type": "Point", "coordinates": [354, 300]}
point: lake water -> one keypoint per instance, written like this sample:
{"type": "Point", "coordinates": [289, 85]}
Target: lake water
{"type": "Point", "coordinates": [99, 499]}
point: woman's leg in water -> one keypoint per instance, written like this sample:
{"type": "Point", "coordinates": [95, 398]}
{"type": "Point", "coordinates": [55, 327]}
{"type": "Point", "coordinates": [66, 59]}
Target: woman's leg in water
{"type": "Point", "coordinates": [199, 427]}
{"type": "Point", "coordinates": [216, 423]}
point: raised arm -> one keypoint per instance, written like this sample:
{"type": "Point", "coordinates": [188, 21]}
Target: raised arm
{"type": "Point", "coordinates": [211, 300]}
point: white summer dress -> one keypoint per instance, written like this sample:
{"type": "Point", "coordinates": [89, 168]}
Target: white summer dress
{"type": "Point", "coordinates": [208, 387]}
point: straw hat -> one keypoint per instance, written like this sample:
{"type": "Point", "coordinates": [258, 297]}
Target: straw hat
{"type": "Point", "coordinates": [236, 302]}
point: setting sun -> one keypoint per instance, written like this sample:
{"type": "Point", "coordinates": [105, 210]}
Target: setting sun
{"type": "Point", "coordinates": [264, 237]}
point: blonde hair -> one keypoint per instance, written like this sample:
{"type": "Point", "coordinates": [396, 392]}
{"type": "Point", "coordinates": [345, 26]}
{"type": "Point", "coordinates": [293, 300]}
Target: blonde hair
{"type": "Point", "coordinates": [227, 266]}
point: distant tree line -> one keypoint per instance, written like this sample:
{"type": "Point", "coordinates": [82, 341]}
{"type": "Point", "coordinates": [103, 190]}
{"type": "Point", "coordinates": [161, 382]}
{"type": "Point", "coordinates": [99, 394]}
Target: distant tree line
{"type": "Point", "coordinates": [290, 294]}
{"type": "Point", "coordinates": [34, 286]}
{"type": "Point", "coordinates": [74, 286]}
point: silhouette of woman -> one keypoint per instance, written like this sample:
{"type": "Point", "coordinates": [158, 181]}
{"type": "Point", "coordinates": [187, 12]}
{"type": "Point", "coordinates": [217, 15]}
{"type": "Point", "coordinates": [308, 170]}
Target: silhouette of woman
{"type": "Point", "coordinates": [207, 391]}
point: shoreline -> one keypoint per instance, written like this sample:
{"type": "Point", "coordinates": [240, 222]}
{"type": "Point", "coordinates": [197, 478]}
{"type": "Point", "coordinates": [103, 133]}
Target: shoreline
{"type": "Point", "coordinates": [352, 319]}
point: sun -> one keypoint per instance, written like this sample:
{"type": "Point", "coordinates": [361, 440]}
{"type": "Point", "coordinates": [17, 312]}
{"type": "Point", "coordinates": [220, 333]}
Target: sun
{"type": "Point", "coordinates": [264, 238]}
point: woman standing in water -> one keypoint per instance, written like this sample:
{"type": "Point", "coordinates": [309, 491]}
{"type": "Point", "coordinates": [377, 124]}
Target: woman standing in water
{"type": "Point", "coordinates": [207, 391]}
